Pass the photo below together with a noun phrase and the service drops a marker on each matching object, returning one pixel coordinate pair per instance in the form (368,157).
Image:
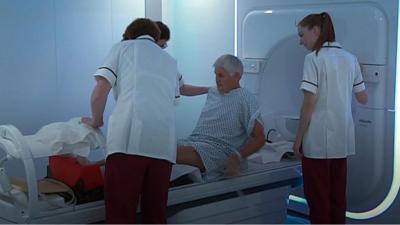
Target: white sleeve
(310,75)
(180,82)
(358,84)
(251,113)
(108,69)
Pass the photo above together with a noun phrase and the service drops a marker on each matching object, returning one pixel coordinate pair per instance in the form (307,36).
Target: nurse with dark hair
(141,141)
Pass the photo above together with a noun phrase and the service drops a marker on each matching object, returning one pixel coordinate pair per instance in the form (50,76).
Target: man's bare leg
(187,155)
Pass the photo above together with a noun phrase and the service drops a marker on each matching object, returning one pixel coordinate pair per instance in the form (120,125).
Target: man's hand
(232,165)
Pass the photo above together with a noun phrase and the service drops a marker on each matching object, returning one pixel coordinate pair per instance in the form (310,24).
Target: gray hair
(230,63)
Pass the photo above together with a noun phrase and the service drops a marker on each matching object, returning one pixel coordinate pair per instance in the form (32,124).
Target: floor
(296,218)
(289,220)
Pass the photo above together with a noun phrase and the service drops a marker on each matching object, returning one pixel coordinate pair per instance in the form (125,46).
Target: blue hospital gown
(224,126)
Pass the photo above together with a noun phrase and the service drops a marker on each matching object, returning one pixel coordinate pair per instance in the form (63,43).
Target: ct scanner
(273,62)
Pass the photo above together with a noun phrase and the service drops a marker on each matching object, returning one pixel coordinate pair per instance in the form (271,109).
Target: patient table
(258,195)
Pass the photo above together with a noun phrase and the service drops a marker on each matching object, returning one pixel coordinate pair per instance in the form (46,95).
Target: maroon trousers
(325,189)
(130,177)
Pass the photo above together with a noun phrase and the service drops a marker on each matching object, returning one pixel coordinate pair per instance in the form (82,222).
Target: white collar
(332,44)
(146,37)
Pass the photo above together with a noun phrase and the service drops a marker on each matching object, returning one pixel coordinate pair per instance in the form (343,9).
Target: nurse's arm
(305,117)
(362,97)
(190,90)
(99,100)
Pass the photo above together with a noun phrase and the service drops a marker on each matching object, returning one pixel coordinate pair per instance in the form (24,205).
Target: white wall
(49,50)
(27,63)
(201,31)
(153,9)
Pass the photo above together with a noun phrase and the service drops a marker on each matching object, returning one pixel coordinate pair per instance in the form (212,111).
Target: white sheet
(272,152)
(53,139)
(179,170)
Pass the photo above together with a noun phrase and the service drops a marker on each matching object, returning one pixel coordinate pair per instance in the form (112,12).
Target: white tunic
(144,80)
(332,75)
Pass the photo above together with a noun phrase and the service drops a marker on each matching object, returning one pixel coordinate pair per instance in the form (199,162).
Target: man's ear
(237,76)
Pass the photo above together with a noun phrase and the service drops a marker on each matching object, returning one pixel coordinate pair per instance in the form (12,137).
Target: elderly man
(229,128)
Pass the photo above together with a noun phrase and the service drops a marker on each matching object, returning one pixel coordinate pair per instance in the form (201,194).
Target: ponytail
(324,22)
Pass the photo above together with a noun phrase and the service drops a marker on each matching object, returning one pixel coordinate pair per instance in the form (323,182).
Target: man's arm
(305,117)
(254,143)
(190,90)
(98,102)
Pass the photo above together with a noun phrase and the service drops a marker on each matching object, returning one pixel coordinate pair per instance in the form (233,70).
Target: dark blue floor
(296,218)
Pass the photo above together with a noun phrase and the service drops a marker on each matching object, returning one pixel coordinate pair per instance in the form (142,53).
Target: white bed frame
(258,195)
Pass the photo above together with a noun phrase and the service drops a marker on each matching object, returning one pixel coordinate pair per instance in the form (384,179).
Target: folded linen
(54,139)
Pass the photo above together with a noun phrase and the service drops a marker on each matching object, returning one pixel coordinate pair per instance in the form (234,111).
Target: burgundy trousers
(129,178)
(325,189)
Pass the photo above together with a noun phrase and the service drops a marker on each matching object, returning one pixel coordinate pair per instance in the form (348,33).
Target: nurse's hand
(298,151)
(232,166)
(89,121)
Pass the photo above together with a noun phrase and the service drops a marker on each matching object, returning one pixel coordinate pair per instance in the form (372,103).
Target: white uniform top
(332,75)
(143,78)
